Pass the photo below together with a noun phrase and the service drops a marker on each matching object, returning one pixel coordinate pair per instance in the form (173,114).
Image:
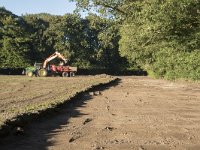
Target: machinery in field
(44,69)
(33,70)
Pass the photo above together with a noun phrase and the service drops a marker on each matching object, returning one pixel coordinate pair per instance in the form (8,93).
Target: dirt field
(21,95)
(136,113)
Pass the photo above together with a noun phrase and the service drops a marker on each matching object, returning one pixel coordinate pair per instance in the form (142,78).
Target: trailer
(52,70)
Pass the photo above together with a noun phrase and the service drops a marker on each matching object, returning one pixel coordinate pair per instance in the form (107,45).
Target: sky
(54,7)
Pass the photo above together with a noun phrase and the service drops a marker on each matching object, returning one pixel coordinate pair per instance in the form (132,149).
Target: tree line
(89,43)
(159,36)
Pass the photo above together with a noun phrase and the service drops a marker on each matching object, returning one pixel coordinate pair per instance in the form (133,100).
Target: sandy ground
(136,113)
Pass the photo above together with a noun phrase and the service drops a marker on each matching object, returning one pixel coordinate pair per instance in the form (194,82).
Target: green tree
(13,41)
(159,36)
(37,26)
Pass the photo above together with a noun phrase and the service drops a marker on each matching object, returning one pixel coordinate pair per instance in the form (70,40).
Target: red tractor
(62,69)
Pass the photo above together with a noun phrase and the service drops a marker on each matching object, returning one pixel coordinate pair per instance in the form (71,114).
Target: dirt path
(137,113)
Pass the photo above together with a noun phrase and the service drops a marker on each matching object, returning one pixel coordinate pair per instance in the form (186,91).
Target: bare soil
(136,113)
(22,95)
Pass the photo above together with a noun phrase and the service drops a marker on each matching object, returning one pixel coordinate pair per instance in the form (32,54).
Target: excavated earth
(134,113)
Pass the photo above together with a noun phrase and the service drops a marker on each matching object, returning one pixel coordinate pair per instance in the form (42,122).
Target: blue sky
(55,7)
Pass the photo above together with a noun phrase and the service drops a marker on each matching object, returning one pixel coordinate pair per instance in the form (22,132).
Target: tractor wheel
(65,74)
(42,73)
(29,74)
(72,74)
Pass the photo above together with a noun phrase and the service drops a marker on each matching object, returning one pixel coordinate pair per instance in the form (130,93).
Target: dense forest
(159,36)
(88,43)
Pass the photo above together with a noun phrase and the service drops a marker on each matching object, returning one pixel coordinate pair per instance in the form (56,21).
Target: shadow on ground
(38,133)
